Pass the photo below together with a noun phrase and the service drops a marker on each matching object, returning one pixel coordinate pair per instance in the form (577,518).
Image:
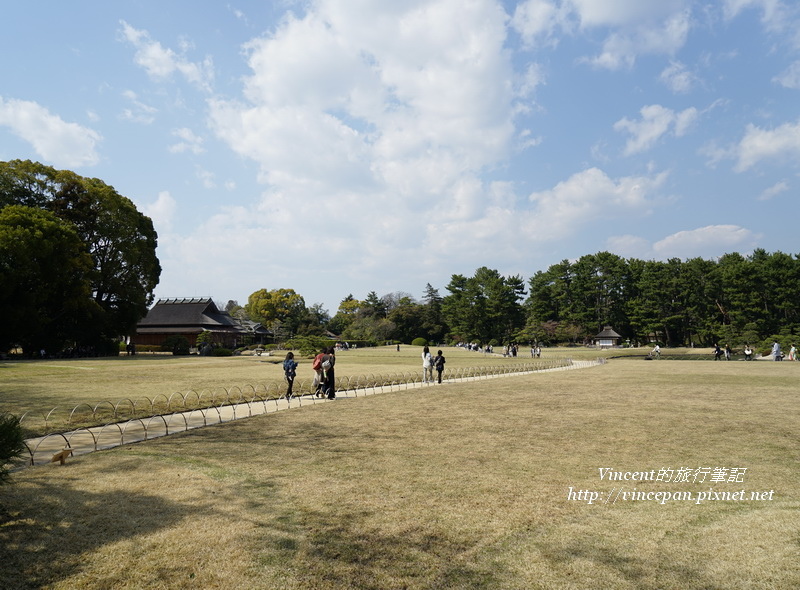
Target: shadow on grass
(344,552)
(42,542)
(641,572)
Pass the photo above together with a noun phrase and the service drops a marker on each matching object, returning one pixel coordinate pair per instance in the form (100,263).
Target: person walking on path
(776,351)
(316,365)
(328,373)
(427,369)
(438,364)
(290,372)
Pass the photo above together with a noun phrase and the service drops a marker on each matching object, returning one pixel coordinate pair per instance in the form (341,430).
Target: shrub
(419,342)
(205,337)
(11,443)
(176,345)
(148,348)
(220,351)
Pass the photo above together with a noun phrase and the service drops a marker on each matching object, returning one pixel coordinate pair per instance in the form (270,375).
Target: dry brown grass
(48,392)
(459,486)
(42,385)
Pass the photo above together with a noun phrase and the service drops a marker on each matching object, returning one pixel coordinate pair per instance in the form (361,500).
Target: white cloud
(773,11)
(537,19)
(629,246)
(206,177)
(707,242)
(684,121)
(656,121)
(139,111)
(53,139)
(677,78)
(634,27)
(778,17)
(528,140)
(395,105)
(622,47)
(162,211)
(373,128)
(616,13)
(588,196)
(764,144)
(161,63)
(530,81)
(715,153)
(790,78)
(774,190)
(190,142)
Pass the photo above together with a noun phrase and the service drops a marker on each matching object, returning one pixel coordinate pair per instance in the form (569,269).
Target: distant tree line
(734,299)
(695,302)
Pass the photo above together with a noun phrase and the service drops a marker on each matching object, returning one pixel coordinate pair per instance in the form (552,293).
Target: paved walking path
(86,440)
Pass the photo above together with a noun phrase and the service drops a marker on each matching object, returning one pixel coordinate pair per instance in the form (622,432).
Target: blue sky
(347,146)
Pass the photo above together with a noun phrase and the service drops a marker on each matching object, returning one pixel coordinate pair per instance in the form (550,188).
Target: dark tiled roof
(252,326)
(198,313)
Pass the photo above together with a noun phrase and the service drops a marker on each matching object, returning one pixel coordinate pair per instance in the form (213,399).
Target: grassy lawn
(42,385)
(460,486)
(37,387)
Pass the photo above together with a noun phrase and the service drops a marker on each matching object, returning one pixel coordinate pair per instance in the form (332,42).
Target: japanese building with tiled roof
(189,318)
(608,338)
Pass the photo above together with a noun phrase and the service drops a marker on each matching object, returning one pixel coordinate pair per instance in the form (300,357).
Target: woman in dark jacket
(289,371)
(438,364)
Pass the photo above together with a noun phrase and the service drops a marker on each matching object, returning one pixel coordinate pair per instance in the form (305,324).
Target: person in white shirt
(427,365)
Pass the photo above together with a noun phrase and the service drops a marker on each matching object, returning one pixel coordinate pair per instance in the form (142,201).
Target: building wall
(607,343)
(158,339)
(229,340)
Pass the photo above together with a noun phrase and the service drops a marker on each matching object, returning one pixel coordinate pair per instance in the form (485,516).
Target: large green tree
(44,282)
(348,311)
(434,327)
(485,307)
(282,310)
(408,318)
(120,240)
(314,321)
(373,306)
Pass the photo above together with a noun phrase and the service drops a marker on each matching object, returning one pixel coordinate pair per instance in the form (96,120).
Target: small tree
(12,443)
(205,337)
